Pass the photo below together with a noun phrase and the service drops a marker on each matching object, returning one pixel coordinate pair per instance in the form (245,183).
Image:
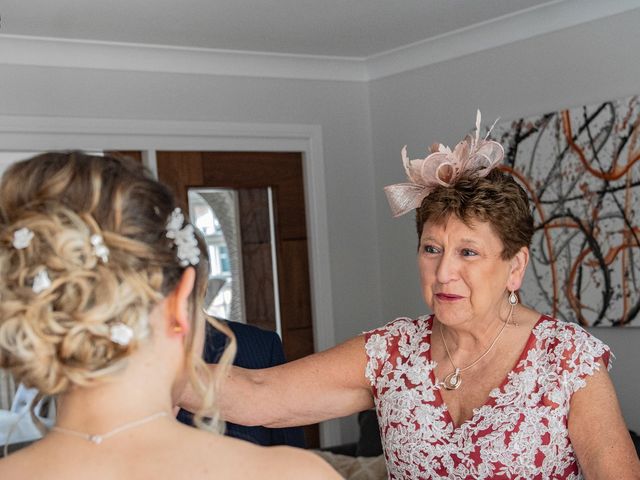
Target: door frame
(40,133)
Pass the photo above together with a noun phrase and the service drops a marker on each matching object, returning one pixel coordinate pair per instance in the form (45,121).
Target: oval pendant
(453,380)
(97,439)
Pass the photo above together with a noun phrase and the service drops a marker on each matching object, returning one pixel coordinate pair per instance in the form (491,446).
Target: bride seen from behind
(101,282)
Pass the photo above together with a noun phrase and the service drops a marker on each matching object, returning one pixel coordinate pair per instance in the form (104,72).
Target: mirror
(215,213)
(239,228)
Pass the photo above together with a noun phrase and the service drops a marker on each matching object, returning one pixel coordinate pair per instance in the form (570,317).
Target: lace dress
(519,433)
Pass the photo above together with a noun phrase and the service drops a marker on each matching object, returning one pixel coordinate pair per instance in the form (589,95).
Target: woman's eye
(430,249)
(468,253)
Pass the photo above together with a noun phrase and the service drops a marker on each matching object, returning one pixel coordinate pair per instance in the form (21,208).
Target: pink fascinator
(443,167)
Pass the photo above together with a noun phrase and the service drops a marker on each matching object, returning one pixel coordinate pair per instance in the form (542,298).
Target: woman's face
(462,273)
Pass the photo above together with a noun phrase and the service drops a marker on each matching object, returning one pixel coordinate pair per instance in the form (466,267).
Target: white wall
(581,65)
(341,108)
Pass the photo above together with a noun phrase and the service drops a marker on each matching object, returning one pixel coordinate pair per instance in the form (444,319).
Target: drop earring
(177,328)
(513,301)
(513,298)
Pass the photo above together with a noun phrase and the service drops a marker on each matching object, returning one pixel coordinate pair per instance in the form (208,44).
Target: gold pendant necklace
(98,439)
(454,379)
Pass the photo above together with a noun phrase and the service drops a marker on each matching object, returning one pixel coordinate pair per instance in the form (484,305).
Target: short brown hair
(496,199)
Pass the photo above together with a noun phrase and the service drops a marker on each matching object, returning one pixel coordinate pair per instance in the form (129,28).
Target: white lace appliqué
(519,433)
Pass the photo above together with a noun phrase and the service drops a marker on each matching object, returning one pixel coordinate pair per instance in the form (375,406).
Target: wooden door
(249,173)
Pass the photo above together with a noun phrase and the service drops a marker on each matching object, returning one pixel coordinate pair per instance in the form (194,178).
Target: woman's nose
(447,270)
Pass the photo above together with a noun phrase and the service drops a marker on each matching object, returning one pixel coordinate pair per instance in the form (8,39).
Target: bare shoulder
(300,464)
(8,467)
(233,458)
(25,463)
(176,451)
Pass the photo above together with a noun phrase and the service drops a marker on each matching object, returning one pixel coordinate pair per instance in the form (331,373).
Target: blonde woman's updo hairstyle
(61,335)
(497,199)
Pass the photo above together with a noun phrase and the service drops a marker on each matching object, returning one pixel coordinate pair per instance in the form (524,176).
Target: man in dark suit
(257,348)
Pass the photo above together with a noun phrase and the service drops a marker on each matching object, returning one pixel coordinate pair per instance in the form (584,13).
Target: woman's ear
(178,303)
(518,267)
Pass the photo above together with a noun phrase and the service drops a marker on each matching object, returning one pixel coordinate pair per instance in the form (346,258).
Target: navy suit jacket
(257,348)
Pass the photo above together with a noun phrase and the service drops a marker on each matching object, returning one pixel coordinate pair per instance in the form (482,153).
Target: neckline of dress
(490,398)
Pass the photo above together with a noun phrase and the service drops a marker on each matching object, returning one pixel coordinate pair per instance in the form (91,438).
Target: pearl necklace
(454,379)
(98,439)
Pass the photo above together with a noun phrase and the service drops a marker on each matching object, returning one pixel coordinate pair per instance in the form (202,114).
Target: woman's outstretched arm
(324,385)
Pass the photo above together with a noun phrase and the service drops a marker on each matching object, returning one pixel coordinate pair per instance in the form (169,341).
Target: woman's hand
(598,432)
(324,385)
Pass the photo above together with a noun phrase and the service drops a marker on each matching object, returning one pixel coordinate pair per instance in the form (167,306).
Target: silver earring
(513,299)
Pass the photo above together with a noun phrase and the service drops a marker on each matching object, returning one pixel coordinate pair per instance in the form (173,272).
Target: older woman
(484,387)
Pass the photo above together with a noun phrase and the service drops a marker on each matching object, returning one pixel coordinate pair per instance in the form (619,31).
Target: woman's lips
(448,297)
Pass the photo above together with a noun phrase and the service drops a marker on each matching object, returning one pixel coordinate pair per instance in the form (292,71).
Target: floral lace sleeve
(577,354)
(383,345)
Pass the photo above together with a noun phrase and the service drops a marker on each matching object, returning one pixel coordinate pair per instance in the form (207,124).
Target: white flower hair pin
(99,248)
(41,281)
(121,334)
(184,238)
(22,238)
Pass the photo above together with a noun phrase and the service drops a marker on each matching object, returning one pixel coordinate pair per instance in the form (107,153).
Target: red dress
(519,433)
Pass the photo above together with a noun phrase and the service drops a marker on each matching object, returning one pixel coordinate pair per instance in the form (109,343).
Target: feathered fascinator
(443,167)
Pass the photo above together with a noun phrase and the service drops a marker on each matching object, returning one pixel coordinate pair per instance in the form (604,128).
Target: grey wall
(577,66)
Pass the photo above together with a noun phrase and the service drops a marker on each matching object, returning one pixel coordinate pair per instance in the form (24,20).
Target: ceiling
(343,28)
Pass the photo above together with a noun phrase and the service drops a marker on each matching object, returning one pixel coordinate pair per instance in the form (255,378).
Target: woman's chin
(449,315)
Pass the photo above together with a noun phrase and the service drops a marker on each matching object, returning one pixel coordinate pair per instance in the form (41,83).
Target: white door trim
(28,133)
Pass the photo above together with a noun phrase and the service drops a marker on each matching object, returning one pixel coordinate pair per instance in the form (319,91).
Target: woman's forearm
(235,398)
(244,397)
(325,385)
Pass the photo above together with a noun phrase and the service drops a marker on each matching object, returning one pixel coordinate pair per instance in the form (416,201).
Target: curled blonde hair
(60,337)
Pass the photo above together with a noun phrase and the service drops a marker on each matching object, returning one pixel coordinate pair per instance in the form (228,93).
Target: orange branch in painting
(562,224)
(576,306)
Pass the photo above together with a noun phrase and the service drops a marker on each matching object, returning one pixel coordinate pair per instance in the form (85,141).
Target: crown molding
(58,52)
(539,20)
(521,25)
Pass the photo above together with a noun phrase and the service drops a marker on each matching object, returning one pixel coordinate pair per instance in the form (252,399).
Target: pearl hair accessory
(41,281)
(22,238)
(184,238)
(121,334)
(99,248)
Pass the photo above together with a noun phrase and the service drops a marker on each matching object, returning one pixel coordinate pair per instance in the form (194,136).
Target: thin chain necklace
(98,439)
(454,379)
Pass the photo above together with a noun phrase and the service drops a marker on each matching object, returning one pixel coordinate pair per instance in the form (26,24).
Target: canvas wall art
(581,169)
